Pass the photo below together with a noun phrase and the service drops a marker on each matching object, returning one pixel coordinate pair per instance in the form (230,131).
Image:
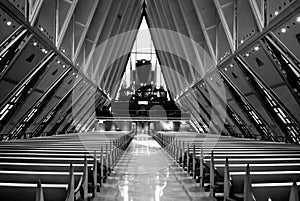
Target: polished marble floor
(147,173)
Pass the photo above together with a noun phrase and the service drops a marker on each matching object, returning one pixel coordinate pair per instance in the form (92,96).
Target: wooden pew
(45,158)
(275,191)
(258,167)
(33,176)
(280,159)
(262,177)
(53,179)
(19,191)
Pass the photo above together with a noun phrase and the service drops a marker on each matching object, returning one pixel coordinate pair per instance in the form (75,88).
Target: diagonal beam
(196,52)
(105,57)
(122,47)
(127,47)
(256,13)
(205,33)
(61,33)
(231,41)
(86,28)
(165,40)
(122,62)
(161,40)
(91,54)
(34,10)
(213,120)
(177,51)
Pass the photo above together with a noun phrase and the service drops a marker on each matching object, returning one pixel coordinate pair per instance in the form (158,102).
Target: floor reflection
(147,173)
(142,188)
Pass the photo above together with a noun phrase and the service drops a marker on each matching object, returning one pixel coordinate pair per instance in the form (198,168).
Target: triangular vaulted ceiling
(228,62)
(143,49)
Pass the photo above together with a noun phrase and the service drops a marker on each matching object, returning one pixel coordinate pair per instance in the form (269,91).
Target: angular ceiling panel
(246,24)
(228,11)
(46,20)
(83,10)
(7,26)
(63,10)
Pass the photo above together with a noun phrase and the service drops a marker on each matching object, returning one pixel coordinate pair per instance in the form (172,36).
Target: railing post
(227,183)
(95,173)
(106,160)
(166,143)
(194,161)
(115,151)
(85,179)
(183,156)
(111,156)
(118,147)
(174,151)
(201,168)
(101,168)
(177,150)
(212,176)
(188,158)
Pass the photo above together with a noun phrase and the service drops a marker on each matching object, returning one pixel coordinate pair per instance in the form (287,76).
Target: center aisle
(147,173)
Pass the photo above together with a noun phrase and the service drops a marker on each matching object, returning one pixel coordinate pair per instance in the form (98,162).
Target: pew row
(204,158)
(40,167)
